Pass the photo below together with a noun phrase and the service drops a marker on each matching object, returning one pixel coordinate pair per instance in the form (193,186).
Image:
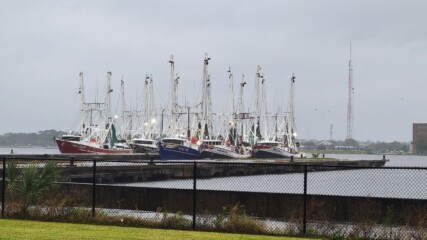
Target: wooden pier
(125,168)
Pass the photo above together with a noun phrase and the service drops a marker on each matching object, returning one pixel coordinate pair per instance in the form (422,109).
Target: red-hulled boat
(68,145)
(97,132)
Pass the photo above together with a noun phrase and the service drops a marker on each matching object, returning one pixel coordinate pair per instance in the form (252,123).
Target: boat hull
(80,147)
(178,152)
(262,151)
(137,148)
(221,152)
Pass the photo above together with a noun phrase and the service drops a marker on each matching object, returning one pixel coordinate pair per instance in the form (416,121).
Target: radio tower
(350,115)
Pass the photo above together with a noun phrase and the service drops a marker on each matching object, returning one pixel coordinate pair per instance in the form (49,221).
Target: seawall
(287,207)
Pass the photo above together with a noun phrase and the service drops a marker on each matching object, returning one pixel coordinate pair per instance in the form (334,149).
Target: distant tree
(42,138)
(321,147)
(309,145)
(404,148)
(351,142)
(384,147)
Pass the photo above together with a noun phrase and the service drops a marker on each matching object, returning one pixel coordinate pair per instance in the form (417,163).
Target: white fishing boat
(231,146)
(283,143)
(176,144)
(144,139)
(97,132)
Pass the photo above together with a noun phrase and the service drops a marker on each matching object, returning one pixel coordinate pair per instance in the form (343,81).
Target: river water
(390,183)
(395,160)
(29,150)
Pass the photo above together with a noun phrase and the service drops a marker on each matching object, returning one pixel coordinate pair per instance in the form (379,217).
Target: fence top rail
(311,164)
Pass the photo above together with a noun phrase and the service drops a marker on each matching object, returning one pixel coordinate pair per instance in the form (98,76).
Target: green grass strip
(23,229)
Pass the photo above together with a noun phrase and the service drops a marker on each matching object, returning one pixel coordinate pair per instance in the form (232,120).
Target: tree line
(351,145)
(45,138)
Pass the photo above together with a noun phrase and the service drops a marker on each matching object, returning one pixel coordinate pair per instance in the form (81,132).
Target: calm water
(395,160)
(388,183)
(395,183)
(29,150)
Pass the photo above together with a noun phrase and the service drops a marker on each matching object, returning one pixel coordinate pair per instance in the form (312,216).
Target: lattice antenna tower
(350,112)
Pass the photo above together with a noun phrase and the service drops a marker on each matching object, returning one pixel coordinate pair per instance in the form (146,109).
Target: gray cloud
(45,44)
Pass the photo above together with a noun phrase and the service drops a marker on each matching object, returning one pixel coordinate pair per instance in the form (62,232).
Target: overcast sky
(45,44)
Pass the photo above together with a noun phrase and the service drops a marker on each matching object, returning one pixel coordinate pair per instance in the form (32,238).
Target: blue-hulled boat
(178,148)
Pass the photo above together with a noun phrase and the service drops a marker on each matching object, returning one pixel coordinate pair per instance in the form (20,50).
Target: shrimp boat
(178,148)
(214,149)
(176,144)
(232,146)
(97,129)
(144,140)
(142,145)
(101,141)
(283,144)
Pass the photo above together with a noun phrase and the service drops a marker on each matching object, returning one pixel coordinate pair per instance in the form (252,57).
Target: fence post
(94,188)
(194,193)
(304,218)
(3,187)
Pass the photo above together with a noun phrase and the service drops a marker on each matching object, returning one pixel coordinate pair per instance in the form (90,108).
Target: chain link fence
(275,198)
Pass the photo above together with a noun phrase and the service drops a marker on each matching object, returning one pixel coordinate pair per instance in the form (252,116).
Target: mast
(291,101)
(233,121)
(240,106)
(231,91)
(82,104)
(257,105)
(205,100)
(109,135)
(122,99)
(107,96)
(146,105)
(209,101)
(264,106)
(123,107)
(174,89)
(290,125)
(81,92)
(152,112)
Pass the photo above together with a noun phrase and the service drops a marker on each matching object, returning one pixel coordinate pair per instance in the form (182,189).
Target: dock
(126,168)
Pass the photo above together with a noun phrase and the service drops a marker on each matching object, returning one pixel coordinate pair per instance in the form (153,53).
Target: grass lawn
(22,229)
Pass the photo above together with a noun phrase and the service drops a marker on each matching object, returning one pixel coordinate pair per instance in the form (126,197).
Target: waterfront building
(419,134)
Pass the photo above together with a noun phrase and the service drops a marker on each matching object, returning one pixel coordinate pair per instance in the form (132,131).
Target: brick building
(419,131)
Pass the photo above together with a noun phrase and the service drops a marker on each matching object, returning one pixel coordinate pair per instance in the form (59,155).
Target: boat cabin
(271,144)
(146,142)
(71,138)
(173,141)
(212,142)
